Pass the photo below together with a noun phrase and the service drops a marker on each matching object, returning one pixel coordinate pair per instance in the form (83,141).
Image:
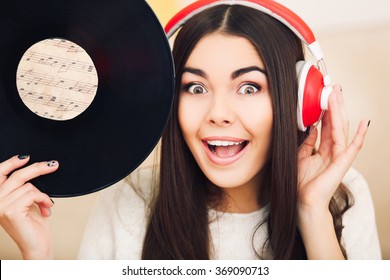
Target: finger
(22,199)
(8,166)
(341,166)
(344,115)
(45,204)
(338,129)
(326,141)
(344,161)
(22,176)
(334,130)
(45,211)
(357,142)
(308,145)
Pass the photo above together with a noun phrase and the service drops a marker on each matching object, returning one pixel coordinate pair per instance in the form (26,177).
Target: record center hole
(56,79)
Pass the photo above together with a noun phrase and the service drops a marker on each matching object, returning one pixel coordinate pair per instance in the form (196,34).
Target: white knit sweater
(118,222)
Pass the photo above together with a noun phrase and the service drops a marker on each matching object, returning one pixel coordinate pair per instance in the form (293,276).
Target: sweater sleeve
(360,232)
(117,223)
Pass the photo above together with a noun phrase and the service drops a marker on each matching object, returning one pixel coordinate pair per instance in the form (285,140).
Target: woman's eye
(248,89)
(196,89)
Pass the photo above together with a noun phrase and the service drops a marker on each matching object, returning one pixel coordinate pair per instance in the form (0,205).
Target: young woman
(236,178)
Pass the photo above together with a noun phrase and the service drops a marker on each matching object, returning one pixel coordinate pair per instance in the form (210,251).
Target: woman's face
(225,110)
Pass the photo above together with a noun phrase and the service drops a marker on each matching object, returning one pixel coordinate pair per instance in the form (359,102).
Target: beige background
(355,36)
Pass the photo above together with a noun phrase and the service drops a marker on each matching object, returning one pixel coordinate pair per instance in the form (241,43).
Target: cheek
(190,115)
(258,118)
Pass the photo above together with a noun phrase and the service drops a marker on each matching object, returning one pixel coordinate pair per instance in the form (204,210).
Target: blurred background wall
(355,37)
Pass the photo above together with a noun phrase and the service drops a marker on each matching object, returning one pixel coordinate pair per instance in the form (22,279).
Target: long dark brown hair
(178,223)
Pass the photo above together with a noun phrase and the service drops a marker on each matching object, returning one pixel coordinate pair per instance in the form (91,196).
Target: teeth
(223,143)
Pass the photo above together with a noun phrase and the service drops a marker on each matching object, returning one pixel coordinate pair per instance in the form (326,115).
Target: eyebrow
(195,71)
(234,75)
(245,70)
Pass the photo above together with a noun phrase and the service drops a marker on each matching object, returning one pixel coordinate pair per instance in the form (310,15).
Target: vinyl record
(122,102)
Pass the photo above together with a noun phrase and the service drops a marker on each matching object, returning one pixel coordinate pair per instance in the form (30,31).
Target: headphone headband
(313,85)
(272,8)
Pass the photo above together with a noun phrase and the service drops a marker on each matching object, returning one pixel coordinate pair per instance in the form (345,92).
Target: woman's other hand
(321,173)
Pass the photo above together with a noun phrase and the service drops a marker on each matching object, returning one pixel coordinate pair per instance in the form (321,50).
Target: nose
(221,111)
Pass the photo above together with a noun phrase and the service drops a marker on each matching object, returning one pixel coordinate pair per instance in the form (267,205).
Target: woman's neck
(239,201)
(243,199)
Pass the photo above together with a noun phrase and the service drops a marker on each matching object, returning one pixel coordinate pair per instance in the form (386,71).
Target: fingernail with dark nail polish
(368,123)
(22,156)
(52,163)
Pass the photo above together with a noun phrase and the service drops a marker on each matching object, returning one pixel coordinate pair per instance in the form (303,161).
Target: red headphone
(313,82)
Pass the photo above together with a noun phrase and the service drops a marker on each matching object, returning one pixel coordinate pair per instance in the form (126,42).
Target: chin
(227,181)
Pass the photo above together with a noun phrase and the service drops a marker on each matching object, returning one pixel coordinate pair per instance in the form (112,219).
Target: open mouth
(226,149)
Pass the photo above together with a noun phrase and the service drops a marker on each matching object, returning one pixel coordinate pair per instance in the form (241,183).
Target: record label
(56,79)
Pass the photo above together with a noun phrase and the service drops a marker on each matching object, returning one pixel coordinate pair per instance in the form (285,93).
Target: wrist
(37,256)
(42,254)
(314,217)
(318,234)
(314,212)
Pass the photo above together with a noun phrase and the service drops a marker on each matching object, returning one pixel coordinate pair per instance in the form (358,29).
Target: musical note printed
(57,79)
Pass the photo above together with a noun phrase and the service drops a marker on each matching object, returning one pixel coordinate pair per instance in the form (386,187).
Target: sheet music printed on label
(57,79)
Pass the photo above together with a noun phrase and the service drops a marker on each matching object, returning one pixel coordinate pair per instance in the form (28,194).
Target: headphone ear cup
(310,86)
